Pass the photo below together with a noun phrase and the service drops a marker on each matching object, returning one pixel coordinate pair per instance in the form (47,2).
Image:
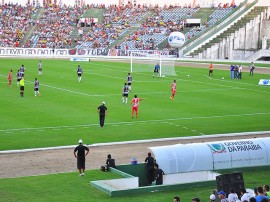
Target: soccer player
(173,86)
(211,69)
(19,77)
(22,71)
(156,70)
(79,73)
(9,78)
(40,68)
(36,86)
(135,104)
(125,93)
(129,81)
(22,86)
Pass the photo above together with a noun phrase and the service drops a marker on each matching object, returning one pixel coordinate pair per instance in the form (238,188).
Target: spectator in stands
(176,199)
(213,196)
(232,197)
(222,196)
(245,196)
(196,200)
(266,190)
(252,199)
(260,195)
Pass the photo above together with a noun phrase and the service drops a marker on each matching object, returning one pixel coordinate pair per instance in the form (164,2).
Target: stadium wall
(243,43)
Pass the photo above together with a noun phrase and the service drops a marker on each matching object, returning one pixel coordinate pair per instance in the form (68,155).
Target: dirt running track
(62,160)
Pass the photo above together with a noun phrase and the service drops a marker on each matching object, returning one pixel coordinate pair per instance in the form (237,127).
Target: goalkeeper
(156,70)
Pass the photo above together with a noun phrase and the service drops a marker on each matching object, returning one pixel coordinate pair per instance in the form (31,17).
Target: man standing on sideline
(135,104)
(159,175)
(251,69)
(156,70)
(40,68)
(22,87)
(103,111)
(150,162)
(80,153)
(211,69)
(173,86)
(240,70)
(232,72)
(9,78)
(125,93)
(79,73)
(36,86)
(129,81)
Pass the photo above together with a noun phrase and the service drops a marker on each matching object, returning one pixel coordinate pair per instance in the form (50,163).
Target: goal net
(144,62)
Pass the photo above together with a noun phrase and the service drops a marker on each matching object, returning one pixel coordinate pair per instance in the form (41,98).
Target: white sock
(126,100)
(123,99)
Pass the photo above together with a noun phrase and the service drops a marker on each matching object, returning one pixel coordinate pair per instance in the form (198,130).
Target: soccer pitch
(66,109)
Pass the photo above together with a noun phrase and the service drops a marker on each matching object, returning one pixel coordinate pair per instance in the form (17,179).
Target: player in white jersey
(129,81)
(40,68)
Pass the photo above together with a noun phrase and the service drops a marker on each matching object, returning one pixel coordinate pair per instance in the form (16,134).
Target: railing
(215,27)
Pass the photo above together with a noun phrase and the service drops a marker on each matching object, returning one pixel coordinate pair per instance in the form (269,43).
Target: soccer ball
(188,75)
(222,78)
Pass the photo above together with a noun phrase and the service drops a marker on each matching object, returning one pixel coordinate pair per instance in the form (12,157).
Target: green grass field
(66,110)
(70,187)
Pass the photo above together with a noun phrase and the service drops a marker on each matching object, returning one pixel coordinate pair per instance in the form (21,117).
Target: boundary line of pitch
(137,141)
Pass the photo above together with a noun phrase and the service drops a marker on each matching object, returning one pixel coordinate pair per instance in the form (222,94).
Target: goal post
(144,62)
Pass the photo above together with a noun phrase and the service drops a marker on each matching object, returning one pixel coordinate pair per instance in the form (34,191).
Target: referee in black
(103,111)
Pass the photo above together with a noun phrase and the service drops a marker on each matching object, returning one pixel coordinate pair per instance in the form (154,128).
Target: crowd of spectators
(57,24)
(14,23)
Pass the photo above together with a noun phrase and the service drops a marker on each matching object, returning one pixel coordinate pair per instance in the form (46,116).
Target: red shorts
(135,108)
(173,91)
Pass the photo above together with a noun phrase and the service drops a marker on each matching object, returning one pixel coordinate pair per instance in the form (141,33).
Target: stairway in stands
(32,27)
(235,27)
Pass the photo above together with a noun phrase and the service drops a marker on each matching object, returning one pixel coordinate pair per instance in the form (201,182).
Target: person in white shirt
(245,195)
(232,197)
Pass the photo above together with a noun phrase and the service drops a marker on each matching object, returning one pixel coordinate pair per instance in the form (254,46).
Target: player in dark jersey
(36,86)
(156,70)
(129,81)
(79,73)
(19,77)
(125,93)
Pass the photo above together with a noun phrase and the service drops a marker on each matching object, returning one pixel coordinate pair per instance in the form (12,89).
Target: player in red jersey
(9,78)
(135,104)
(173,86)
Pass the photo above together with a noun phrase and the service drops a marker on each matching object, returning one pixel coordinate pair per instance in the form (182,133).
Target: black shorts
(129,84)
(125,95)
(80,163)
(22,88)
(35,89)
(156,71)
(79,74)
(18,80)
(210,71)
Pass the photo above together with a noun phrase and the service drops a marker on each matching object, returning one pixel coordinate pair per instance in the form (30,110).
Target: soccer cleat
(171,97)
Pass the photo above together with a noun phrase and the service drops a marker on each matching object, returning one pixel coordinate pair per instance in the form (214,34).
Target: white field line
(138,141)
(135,122)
